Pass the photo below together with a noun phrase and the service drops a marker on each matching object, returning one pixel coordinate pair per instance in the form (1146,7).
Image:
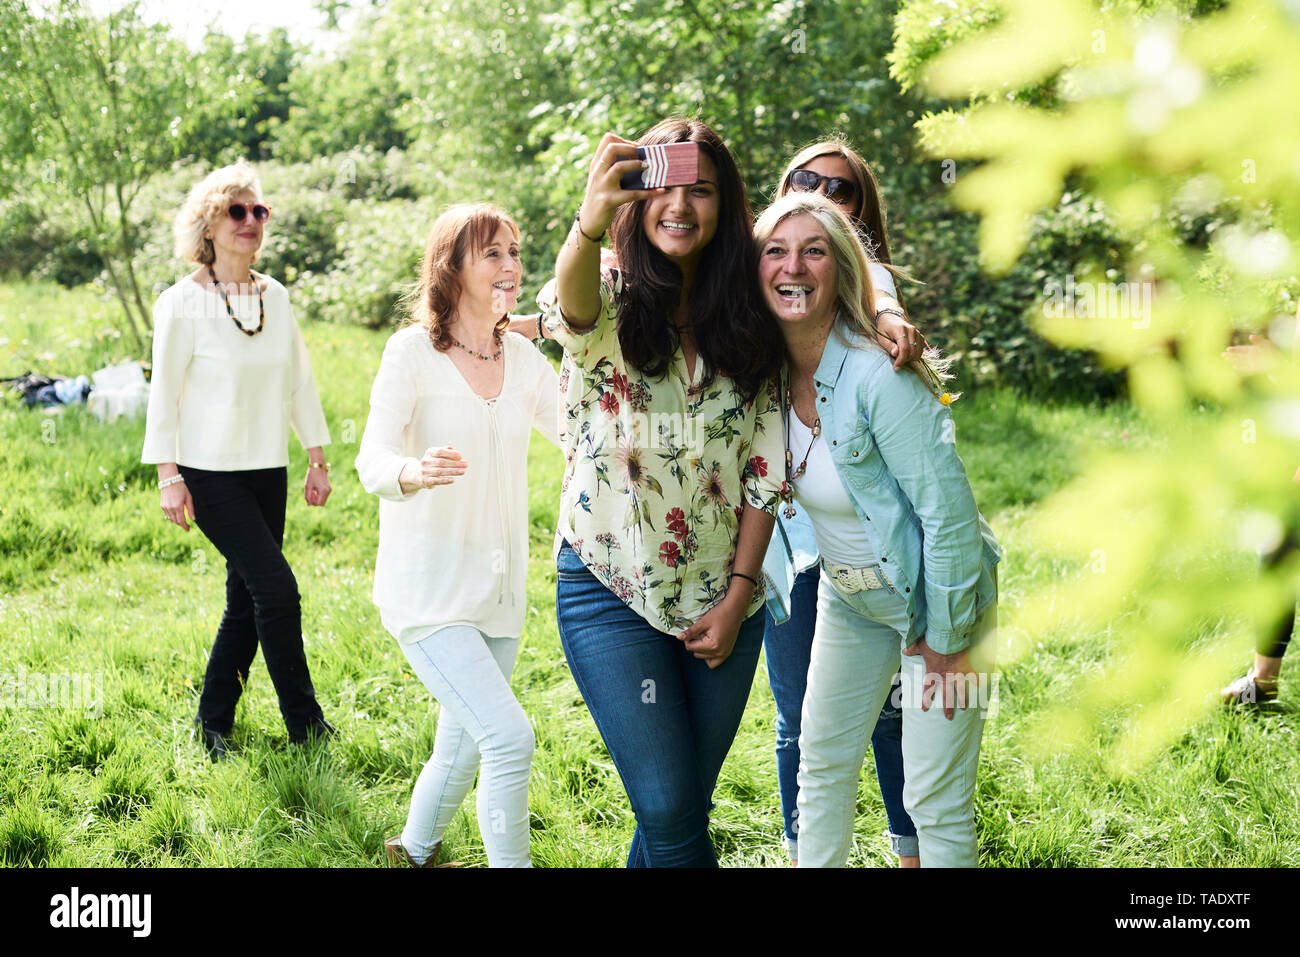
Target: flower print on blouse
(657,470)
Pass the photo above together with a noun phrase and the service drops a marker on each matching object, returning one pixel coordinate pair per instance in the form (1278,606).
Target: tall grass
(95,582)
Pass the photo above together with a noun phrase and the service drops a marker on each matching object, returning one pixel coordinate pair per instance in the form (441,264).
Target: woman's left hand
(900,338)
(949,674)
(318,487)
(714,636)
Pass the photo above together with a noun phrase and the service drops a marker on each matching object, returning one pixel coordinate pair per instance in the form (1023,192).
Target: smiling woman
(445,448)
(909,561)
(662,531)
(230,378)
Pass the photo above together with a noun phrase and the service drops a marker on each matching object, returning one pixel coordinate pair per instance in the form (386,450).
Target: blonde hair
(460,230)
(208,202)
(855,293)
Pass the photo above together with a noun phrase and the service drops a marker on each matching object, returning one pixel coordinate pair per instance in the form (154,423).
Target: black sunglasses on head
(839,191)
(239,212)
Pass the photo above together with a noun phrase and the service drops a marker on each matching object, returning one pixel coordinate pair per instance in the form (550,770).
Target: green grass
(94,581)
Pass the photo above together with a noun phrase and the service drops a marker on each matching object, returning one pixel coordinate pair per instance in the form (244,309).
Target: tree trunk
(128,259)
(119,287)
(120,290)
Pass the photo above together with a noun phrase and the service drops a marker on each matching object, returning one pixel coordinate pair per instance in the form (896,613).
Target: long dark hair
(733,331)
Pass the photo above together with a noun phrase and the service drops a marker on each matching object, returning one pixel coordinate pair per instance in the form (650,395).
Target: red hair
(457,232)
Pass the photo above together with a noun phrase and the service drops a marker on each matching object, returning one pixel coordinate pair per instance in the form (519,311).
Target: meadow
(94,581)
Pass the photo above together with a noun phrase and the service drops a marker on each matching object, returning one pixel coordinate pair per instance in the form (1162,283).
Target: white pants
(469,674)
(856,650)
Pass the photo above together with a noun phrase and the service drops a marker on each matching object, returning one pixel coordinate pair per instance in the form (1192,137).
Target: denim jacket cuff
(947,642)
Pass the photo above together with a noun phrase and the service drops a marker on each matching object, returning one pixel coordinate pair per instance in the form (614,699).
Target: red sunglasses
(239,212)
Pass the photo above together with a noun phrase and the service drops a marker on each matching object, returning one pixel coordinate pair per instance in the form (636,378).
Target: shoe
(1249,690)
(397,856)
(319,730)
(216,744)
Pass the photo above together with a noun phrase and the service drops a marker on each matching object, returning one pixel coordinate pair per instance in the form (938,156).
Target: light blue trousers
(856,651)
(481,722)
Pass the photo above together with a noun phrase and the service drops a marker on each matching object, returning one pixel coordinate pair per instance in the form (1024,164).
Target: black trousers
(1273,635)
(242,514)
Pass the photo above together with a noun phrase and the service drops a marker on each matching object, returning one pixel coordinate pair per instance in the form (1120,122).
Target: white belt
(850,580)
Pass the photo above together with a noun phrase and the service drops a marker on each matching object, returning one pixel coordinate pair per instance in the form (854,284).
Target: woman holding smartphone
(835,170)
(910,562)
(453,406)
(672,440)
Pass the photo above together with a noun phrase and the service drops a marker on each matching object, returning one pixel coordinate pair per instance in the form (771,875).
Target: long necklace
(261,306)
(477,355)
(790,477)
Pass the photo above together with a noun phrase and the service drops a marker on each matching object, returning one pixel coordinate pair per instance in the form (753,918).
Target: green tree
(100,104)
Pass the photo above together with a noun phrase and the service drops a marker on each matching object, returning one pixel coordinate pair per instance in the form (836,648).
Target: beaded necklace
(477,355)
(261,306)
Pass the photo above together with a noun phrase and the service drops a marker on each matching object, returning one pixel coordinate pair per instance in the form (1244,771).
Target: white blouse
(222,400)
(454,554)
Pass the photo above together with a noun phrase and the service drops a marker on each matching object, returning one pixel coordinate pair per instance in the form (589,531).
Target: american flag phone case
(671,164)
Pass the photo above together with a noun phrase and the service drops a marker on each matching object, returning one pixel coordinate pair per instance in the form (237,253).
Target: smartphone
(671,164)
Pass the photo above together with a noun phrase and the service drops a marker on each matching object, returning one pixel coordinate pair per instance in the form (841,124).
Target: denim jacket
(792,550)
(893,446)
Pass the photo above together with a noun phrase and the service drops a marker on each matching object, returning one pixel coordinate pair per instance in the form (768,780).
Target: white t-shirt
(841,539)
(220,399)
(454,554)
(882,279)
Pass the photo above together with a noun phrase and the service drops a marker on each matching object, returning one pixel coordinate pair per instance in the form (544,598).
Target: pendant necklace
(790,477)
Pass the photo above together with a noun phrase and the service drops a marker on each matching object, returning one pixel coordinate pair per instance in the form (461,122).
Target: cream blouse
(454,554)
(220,399)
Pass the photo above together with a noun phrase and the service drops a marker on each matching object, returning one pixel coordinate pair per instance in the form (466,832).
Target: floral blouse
(657,470)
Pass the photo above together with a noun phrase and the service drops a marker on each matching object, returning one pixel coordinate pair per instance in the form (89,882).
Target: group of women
(721,378)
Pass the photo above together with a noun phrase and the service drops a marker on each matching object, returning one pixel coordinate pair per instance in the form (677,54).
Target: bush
(379,250)
(43,238)
(985,322)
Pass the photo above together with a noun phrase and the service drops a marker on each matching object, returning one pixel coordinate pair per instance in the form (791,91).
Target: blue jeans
(666,718)
(789,649)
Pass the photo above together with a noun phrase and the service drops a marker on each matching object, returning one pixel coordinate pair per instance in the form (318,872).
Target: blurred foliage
(1168,117)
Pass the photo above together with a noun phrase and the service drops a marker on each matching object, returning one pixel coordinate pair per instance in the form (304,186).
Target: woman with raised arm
(910,563)
(672,440)
(452,410)
(230,378)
